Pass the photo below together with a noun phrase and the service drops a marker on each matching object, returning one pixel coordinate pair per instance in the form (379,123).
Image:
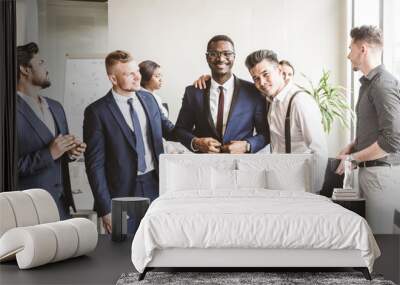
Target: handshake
(211,145)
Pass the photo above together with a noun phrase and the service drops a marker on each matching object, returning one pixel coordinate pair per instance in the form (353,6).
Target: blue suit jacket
(111,158)
(246,115)
(36,167)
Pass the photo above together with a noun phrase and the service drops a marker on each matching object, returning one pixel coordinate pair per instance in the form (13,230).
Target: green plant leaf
(331,100)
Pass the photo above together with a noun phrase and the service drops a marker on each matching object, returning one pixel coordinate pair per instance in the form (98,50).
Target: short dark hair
(256,57)
(146,69)
(369,34)
(115,57)
(25,54)
(218,38)
(285,62)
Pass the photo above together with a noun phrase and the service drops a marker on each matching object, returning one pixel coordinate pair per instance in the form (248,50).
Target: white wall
(69,27)
(27,21)
(311,34)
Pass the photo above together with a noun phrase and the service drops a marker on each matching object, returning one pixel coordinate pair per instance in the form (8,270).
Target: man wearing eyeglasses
(229,115)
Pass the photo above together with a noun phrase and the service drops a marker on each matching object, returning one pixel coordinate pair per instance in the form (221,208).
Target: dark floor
(110,260)
(389,262)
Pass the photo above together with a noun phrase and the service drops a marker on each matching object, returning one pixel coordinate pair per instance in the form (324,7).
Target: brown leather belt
(372,163)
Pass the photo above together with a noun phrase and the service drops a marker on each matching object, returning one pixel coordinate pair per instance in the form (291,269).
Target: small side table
(355,205)
(120,207)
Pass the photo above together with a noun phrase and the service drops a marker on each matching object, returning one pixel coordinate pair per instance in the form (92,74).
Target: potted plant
(331,100)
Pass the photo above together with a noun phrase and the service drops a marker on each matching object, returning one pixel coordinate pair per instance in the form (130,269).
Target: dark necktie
(220,114)
(139,137)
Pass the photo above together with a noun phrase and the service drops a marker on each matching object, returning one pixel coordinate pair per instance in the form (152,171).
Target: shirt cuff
(248,146)
(72,158)
(192,146)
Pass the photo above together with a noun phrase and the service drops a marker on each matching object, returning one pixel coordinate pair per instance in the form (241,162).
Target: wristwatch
(248,147)
(352,159)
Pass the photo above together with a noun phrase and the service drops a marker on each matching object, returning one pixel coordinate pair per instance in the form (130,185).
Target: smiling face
(125,77)
(220,58)
(267,77)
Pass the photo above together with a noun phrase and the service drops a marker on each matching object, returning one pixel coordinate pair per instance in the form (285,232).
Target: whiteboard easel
(85,81)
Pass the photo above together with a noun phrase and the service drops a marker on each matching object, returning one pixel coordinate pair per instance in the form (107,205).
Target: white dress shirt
(228,88)
(41,110)
(306,130)
(122,102)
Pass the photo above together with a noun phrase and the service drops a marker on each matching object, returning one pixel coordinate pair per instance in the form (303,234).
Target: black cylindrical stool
(123,207)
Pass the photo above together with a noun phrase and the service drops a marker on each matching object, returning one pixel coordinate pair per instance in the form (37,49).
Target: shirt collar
(228,85)
(42,99)
(121,98)
(373,72)
(283,94)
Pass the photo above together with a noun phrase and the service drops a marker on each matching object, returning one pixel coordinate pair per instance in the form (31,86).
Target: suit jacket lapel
(207,111)
(116,112)
(234,101)
(143,98)
(37,125)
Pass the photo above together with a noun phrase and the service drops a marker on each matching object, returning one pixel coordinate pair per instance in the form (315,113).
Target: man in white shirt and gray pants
(303,131)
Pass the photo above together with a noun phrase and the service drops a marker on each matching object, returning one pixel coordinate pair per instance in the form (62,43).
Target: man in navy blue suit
(44,144)
(229,115)
(124,131)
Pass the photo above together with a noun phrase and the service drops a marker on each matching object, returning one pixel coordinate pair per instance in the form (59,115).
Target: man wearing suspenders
(294,117)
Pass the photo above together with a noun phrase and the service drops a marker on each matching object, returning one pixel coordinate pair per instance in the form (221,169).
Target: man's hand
(235,147)
(107,223)
(78,150)
(201,82)
(61,144)
(340,169)
(343,157)
(207,145)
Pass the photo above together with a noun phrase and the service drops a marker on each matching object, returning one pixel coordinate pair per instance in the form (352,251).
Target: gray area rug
(243,278)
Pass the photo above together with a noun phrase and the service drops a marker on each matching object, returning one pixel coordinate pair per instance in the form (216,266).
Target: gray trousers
(380,186)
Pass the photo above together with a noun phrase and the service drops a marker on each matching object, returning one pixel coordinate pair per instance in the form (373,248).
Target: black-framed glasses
(215,54)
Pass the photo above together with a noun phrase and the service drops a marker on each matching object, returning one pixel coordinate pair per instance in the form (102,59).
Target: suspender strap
(288,140)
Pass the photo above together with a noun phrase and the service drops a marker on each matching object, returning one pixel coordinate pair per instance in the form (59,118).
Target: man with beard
(376,148)
(44,144)
(223,116)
